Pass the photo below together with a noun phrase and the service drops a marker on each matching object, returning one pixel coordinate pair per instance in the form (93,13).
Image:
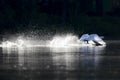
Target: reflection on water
(44,63)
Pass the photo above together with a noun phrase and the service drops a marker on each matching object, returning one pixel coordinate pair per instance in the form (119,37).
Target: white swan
(92,39)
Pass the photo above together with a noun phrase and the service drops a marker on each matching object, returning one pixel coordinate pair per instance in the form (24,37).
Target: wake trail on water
(68,40)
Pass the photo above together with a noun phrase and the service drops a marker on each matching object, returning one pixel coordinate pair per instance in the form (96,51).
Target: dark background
(61,16)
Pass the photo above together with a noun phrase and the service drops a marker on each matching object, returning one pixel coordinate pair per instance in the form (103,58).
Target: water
(74,63)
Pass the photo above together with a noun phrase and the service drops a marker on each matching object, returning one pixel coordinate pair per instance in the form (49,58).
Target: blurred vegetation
(61,16)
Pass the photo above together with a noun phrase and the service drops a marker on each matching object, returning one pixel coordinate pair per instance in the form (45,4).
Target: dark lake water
(76,63)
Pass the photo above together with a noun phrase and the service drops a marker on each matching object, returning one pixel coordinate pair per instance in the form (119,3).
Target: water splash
(57,41)
(17,43)
(64,41)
